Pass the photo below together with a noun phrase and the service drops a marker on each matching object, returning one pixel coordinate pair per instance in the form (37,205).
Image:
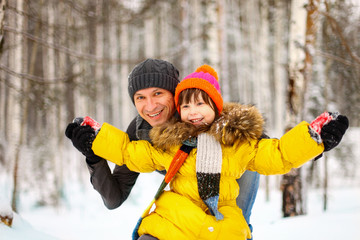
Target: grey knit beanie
(153,73)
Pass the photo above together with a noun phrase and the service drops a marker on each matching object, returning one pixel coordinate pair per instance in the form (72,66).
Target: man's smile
(155,114)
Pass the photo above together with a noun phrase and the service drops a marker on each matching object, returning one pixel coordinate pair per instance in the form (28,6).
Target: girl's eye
(184,106)
(200,103)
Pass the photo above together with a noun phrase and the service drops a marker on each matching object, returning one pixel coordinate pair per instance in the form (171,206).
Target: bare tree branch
(66,50)
(336,58)
(37,79)
(11,86)
(337,29)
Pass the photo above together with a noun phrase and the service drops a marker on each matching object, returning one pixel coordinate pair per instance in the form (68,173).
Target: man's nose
(150,104)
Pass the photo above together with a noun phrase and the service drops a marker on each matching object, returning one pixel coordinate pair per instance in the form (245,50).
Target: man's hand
(82,137)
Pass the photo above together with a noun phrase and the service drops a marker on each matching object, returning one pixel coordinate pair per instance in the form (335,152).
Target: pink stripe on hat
(206,76)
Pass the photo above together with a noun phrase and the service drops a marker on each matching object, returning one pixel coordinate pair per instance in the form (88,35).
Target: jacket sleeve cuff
(110,143)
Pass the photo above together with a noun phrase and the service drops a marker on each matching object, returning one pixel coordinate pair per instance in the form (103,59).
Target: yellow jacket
(180,213)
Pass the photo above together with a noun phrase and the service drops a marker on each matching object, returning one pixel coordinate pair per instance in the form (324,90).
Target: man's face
(155,105)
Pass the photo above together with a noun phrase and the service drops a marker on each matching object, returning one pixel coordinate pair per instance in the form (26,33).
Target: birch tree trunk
(19,111)
(223,49)
(53,117)
(3,88)
(292,185)
(2,17)
(150,38)
(310,40)
(100,87)
(325,159)
(185,36)
(279,59)
(114,76)
(244,47)
(124,71)
(235,41)
(210,44)
(196,45)
(105,44)
(263,95)
(162,33)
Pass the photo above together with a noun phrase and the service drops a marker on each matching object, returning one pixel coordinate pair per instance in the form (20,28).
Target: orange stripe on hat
(204,78)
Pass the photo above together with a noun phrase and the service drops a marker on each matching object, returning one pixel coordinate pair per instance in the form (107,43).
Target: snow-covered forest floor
(88,219)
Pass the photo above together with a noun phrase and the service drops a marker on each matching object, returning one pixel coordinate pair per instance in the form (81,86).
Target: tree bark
(2,17)
(21,113)
(292,201)
(223,49)
(291,183)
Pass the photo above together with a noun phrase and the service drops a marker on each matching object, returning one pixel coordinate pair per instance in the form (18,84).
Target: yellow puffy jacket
(180,213)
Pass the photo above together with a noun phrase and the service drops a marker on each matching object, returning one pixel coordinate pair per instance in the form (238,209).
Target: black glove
(82,138)
(332,133)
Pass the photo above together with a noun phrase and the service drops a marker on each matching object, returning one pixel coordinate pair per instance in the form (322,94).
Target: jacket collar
(236,123)
(142,129)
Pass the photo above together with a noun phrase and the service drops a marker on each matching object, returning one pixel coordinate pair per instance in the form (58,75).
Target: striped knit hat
(206,79)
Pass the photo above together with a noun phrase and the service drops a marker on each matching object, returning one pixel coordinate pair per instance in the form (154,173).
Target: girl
(201,202)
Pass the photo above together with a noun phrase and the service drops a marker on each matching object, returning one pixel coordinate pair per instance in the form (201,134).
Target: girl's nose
(192,111)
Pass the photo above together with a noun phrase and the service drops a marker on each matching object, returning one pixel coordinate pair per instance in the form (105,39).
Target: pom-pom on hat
(204,78)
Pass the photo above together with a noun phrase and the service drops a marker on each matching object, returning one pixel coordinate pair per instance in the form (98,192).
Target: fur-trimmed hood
(236,123)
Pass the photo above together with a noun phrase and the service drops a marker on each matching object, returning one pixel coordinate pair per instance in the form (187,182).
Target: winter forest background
(293,59)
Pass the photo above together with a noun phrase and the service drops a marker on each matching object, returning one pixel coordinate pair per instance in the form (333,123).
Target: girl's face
(197,112)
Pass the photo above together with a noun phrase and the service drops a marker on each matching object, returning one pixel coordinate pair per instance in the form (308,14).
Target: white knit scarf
(208,171)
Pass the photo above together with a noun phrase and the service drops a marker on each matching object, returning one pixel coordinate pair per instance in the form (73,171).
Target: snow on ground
(340,221)
(83,216)
(89,219)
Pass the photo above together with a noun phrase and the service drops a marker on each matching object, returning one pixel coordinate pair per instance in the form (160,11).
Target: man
(151,87)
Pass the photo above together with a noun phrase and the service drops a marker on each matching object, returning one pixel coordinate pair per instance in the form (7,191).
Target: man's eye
(158,93)
(140,98)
